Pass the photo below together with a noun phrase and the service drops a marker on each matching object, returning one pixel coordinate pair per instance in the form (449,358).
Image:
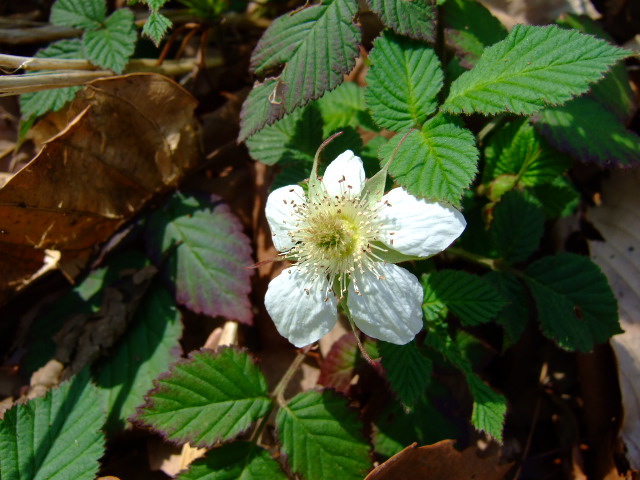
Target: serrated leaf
(235,461)
(517,226)
(343,362)
(515,315)
(558,198)
(415,19)
(576,307)
(156,26)
(207,398)
(402,82)
(408,371)
(489,408)
(321,437)
(112,46)
(470,28)
(425,424)
(517,149)
(319,44)
(85,14)
(344,107)
(577,129)
(292,139)
(147,349)
(155,4)
(534,67)
(438,162)
(208,265)
(55,437)
(34,104)
(471,298)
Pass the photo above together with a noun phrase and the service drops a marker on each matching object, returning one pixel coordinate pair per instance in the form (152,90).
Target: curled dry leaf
(437,461)
(618,221)
(128,139)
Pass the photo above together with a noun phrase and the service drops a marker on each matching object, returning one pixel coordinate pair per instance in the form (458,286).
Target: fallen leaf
(129,139)
(618,221)
(439,461)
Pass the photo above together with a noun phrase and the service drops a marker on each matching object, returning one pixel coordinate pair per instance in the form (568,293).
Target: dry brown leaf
(129,138)
(618,221)
(439,461)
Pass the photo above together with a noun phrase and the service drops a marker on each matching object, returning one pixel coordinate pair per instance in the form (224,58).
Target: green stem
(472,257)
(278,392)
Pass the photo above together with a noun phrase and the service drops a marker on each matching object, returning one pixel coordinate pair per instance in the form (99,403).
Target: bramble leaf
(533,68)
(344,107)
(55,437)
(470,297)
(558,198)
(437,162)
(207,398)
(321,437)
(237,460)
(207,255)
(517,226)
(489,407)
(319,44)
(402,82)
(34,104)
(84,14)
(150,345)
(470,28)
(414,19)
(408,371)
(112,46)
(576,307)
(156,26)
(515,315)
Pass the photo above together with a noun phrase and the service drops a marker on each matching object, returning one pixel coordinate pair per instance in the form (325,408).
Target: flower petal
(416,227)
(300,317)
(280,212)
(344,174)
(388,309)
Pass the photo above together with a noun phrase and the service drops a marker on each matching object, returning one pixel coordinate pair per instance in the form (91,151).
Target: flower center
(334,238)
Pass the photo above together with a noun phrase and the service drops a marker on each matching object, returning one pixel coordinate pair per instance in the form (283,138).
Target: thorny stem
(278,391)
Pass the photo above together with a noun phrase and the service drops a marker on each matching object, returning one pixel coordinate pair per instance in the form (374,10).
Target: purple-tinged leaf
(204,255)
(343,362)
(207,398)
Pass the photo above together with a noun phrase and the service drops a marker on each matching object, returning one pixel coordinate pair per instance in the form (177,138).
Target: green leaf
(156,27)
(471,298)
(395,429)
(577,129)
(534,67)
(55,437)
(112,46)
(408,371)
(319,44)
(344,107)
(558,198)
(438,162)
(233,461)
(207,398)
(321,437)
(208,255)
(148,348)
(515,315)
(155,5)
(344,361)
(35,104)
(294,138)
(489,408)
(414,19)
(576,307)
(517,149)
(470,28)
(403,81)
(517,226)
(85,14)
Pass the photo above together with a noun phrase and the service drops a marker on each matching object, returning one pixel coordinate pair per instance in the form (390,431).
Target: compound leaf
(321,437)
(55,437)
(156,26)
(402,82)
(414,19)
(489,407)
(207,398)
(112,46)
(534,67)
(408,371)
(85,14)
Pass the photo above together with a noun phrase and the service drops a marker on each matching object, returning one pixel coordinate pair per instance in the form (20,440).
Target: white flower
(342,236)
